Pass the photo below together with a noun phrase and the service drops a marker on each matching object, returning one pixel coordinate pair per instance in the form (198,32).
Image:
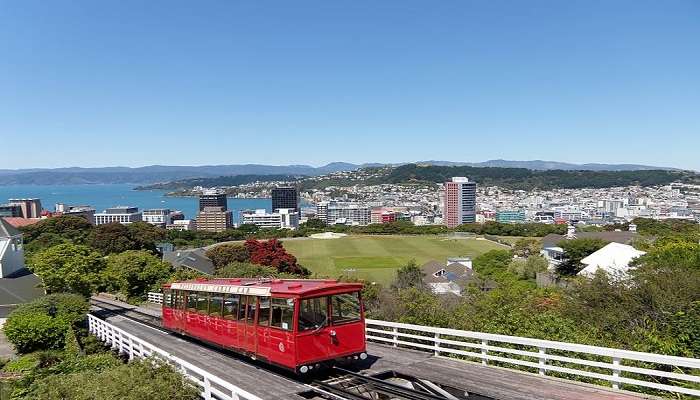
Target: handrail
(616,366)
(212,387)
(622,366)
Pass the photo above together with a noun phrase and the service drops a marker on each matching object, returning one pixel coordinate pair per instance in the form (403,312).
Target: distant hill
(527,179)
(158,173)
(168,173)
(540,165)
(233,180)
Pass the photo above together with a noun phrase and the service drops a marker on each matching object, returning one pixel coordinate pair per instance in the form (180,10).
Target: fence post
(616,373)
(396,337)
(484,352)
(437,344)
(207,388)
(543,361)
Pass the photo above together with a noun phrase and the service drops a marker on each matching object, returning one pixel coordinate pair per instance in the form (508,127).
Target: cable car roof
(266,287)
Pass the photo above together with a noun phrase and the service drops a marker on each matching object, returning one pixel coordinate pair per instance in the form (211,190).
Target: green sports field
(376,257)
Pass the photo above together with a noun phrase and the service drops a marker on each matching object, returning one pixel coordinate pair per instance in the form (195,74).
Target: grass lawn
(376,257)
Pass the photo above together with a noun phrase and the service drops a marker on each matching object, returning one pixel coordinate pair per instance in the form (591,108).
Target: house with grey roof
(11,249)
(448,278)
(554,254)
(17,284)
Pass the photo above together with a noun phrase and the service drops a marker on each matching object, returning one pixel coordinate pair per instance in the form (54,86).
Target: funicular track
(335,384)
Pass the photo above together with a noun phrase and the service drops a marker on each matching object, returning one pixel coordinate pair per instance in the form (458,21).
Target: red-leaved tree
(272,253)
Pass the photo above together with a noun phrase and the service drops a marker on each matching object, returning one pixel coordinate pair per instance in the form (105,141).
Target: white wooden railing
(156,298)
(545,356)
(211,386)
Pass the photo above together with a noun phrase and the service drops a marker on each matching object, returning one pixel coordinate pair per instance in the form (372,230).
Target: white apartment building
(182,225)
(348,214)
(121,214)
(157,216)
(284,218)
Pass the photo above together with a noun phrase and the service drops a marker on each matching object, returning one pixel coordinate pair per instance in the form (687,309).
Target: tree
(137,380)
(69,227)
(248,270)
(574,251)
(314,223)
(227,253)
(68,268)
(526,247)
(273,254)
(493,264)
(529,267)
(43,323)
(134,272)
(409,276)
(112,238)
(146,235)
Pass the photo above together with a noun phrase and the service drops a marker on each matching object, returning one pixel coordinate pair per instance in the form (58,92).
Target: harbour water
(104,196)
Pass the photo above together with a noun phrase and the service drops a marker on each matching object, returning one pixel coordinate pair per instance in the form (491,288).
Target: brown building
(214,219)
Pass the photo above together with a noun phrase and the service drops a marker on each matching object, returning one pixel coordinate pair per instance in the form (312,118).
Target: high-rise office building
(285,197)
(459,202)
(214,219)
(213,198)
(31,208)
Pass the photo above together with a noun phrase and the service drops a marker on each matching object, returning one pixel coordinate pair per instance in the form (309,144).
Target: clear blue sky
(100,83)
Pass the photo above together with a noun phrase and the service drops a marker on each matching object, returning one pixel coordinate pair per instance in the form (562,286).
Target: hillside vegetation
(525,179)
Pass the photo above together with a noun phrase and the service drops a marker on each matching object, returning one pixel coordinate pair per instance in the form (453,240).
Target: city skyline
(87,84)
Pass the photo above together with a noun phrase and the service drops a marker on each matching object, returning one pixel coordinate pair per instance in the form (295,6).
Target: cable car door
(250,338)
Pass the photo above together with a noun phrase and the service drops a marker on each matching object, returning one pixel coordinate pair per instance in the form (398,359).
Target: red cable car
(298,324)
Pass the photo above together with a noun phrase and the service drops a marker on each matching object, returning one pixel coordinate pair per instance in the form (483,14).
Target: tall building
(285,197)
(322,211)
(213,198)
(459,202)
(31,208)
(214,219)
(121,214)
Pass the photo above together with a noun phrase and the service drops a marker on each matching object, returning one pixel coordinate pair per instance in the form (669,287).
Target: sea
(102,196)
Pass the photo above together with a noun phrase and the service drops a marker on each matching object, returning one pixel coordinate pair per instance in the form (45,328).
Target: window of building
(313,313)
(215,302)
(264,311)
(192,301)
(203,303)
(345,307)
(282,313)
(230,310)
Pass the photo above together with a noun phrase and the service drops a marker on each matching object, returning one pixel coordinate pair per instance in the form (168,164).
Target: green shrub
(138,380)
(25,363)
(43,323)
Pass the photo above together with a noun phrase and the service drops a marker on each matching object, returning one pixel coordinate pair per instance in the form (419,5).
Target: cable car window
(167,298)
(230,310)
(192,301)
(282,313)
(202,303)
(264,311)
(241,308)
(251,304)
(345,307)
(313,313)
(180,300)
(215,302)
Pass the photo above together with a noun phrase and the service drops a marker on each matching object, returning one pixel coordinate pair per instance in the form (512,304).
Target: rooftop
(264,287)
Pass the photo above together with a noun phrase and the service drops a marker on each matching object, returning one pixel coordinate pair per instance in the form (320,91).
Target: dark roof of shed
(193,259)
(624,237)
